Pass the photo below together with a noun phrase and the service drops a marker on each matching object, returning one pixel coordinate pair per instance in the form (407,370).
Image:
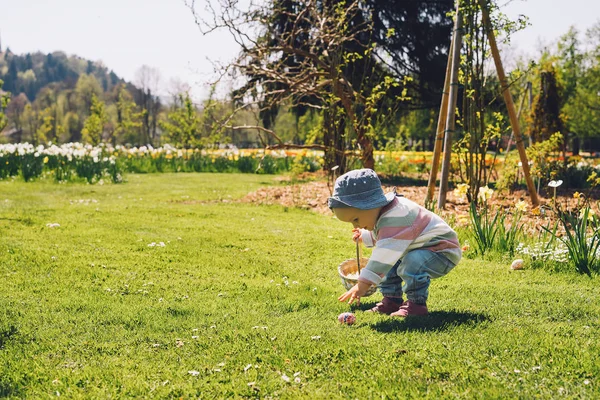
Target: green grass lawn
(241,302)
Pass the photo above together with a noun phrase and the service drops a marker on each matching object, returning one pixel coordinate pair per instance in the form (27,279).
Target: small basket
(349,267)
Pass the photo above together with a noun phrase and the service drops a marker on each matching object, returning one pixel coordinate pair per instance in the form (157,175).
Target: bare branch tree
(148,79)
(311,54)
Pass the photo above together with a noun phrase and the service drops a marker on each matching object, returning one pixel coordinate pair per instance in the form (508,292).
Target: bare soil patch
(313,195)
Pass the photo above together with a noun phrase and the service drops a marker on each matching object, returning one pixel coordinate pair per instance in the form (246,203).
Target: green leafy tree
(52,114)
(93,126)
(86,89)
(546,115)
(4,100)
(129,120)
(31,124)
(183,126)
(46,126)
(14,112)
(581,111)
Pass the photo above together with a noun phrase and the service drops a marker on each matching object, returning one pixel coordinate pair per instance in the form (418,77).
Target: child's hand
(356,235)
(355,293)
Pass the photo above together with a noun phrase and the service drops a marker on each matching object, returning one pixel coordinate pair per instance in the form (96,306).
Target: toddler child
(411,244)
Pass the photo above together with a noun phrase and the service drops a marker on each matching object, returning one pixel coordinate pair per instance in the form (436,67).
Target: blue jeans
(412,275)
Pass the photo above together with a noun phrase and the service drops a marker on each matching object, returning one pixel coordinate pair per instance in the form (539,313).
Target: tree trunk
(333,139)
(361,135)
(576,145)
(367,151)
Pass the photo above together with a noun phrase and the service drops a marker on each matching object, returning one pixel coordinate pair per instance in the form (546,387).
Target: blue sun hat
(360,188)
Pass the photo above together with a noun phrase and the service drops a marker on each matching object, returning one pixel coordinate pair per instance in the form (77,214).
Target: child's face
(364,219)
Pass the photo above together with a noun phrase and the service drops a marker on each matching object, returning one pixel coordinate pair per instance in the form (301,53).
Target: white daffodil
(485,193)
(590,216)
(555,184)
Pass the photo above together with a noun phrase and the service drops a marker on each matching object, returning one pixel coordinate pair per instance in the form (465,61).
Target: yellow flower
(46,160)
(463,220)
(521,206)
(461,190)
(536,211)
(578,195)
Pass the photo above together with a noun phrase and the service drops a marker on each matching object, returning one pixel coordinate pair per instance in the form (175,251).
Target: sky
(162,34)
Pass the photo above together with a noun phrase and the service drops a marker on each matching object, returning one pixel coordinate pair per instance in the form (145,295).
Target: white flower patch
(539,250)
(193,372)
(154,244)
(559,252)
(53,225)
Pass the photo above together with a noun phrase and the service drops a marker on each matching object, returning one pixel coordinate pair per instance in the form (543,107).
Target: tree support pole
(451,109)
(441,127)
(510,139)
(514,121)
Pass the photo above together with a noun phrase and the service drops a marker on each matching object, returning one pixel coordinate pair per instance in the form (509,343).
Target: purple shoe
(410,309)
(387,306)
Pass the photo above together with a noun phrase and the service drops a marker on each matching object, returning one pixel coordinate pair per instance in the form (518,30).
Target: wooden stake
(451,109)
(518,118)
(441,127)
(514,122)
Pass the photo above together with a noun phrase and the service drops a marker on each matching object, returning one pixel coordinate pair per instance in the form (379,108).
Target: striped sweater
(403,226)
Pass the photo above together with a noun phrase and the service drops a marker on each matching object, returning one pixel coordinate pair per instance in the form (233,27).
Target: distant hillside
(31,72)
(60,98)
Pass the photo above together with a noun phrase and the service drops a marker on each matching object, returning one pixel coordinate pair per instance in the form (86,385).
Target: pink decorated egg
(347,318)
